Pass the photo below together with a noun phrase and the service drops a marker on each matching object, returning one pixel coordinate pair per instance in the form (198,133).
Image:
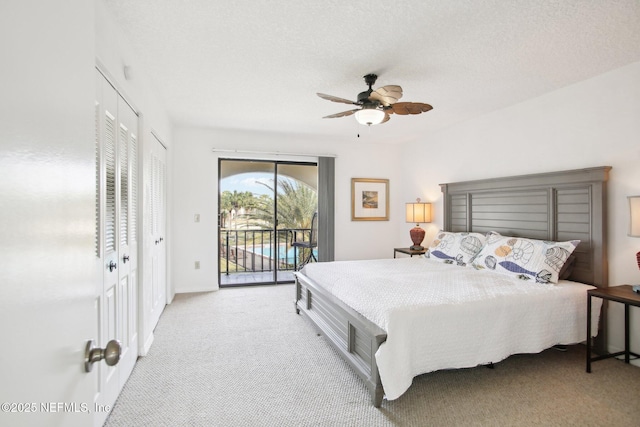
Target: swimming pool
(284,254)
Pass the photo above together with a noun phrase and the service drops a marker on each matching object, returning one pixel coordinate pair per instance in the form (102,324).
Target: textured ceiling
(257,64)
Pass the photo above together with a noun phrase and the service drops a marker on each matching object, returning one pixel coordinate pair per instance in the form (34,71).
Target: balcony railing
(253,250)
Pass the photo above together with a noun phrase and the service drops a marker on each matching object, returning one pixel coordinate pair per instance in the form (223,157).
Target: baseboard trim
(194,290)
(146,345)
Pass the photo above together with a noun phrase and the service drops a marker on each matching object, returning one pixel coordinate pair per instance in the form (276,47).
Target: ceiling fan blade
(386,95)
(336,99)
(343,114)
(404,108)
(386,118)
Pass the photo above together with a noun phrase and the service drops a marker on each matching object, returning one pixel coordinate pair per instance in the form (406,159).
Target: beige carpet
(242,357)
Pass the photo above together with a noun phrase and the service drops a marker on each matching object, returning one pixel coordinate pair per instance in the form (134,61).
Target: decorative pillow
(455,248)
(527,259)
(567,268)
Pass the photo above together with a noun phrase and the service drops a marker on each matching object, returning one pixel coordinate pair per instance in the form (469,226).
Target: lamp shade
(418,212)
(634,216)
(369,116)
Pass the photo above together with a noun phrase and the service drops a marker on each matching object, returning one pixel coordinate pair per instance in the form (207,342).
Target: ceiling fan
(375,106)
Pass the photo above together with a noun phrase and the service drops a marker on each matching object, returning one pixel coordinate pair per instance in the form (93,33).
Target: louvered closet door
(127,330)
(116,240)
(107,383)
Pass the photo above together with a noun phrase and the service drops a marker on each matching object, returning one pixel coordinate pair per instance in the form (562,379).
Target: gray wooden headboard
(557,206)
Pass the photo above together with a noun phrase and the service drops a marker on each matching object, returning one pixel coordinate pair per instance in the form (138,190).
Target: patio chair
(311,244)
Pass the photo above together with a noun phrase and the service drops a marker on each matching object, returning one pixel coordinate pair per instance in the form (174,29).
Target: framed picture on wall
(369,199)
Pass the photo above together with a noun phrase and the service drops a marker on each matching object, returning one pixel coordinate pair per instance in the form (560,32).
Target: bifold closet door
(116,240)
(157,228)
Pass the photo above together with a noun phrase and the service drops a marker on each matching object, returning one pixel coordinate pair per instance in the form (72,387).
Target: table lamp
(418,212)
(634,220)
(634,226)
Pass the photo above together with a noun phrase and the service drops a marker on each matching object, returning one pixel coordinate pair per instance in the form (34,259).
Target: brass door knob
(110,354)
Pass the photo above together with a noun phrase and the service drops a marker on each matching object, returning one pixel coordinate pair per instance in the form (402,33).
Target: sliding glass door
(264,208)
(296,205)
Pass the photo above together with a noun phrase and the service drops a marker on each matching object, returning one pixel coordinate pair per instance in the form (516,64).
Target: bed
(471,315)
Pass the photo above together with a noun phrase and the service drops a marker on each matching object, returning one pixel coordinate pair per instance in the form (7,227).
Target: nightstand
(409,251)
(624,295)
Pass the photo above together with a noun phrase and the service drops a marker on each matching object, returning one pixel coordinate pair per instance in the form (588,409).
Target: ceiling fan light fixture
(370,116)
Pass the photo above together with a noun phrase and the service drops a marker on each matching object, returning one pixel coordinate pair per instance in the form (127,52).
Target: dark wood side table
(408,251)
(623,294)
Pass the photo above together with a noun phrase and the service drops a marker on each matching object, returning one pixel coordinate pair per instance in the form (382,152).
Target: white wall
(114,52)
(592,123)
(196,185)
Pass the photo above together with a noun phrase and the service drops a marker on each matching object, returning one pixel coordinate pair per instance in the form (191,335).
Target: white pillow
(455,248)
(527,259)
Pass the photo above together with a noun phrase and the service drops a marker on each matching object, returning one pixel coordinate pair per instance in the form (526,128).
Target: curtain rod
(275,153)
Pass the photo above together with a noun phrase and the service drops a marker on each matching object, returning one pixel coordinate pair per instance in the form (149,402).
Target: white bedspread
(442,316)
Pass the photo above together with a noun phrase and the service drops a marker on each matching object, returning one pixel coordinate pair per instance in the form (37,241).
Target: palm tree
(236,200)
(296,204)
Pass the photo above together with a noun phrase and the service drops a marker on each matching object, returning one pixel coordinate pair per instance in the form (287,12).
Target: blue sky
(248,182)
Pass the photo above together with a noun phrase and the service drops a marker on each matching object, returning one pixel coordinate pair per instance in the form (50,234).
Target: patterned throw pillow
(455,248)
(527,259)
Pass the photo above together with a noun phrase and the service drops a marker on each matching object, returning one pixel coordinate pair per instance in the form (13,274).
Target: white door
(127,331)
(157,223)
(46,212)
(107,377)
(116,248)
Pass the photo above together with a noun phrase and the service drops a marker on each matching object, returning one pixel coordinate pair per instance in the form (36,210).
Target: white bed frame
(556,206)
